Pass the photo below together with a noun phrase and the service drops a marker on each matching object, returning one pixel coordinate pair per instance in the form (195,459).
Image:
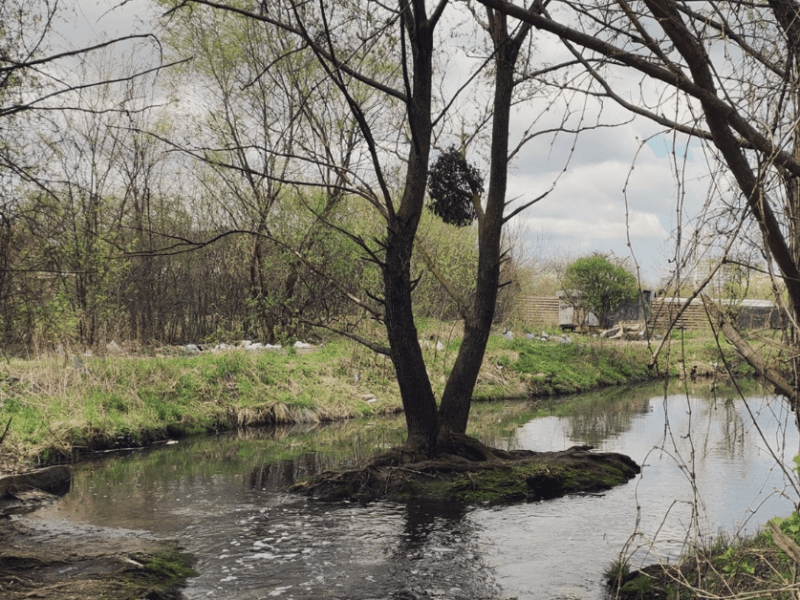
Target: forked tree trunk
(419,404)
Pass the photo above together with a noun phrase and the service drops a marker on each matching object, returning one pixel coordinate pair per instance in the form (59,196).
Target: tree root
(467,470)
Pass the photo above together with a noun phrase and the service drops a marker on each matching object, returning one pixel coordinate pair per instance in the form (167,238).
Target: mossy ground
(541,477)
(470,472)
(161,576)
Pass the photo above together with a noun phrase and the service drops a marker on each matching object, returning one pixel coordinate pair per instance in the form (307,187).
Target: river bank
(57,408)
(223,497)
(71,562)
(760,566)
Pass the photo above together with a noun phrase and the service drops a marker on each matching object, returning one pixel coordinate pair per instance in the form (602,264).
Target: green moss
(638,587)
(529,481)
(160,576)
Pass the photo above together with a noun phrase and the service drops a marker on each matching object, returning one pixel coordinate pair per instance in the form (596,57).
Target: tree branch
(781,385)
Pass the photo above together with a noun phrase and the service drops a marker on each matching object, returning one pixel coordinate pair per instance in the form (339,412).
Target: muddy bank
(24,492)
(61,561)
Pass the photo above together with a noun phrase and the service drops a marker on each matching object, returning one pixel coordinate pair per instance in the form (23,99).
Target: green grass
(160,575)
(56,408)
(557,368)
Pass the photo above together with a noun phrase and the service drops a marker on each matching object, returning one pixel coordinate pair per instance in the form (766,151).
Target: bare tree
(262,127)
(730,73)
(38,88)
(391,52)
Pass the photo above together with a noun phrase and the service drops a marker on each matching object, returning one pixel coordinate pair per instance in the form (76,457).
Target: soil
(63,562)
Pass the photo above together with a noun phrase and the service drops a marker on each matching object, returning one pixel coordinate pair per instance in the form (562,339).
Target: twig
(2,437)
(414,472)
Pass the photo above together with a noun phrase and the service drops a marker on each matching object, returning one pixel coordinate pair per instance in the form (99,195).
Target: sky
(618,194)
(620,189)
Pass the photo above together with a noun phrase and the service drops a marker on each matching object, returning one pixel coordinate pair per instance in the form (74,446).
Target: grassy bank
(60,405)
(761,566)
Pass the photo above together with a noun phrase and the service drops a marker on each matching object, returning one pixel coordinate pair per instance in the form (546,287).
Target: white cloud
(642,226)
(608,196)
(587,210)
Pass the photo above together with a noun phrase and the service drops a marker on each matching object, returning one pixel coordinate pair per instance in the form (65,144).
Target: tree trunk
(419,404)
(457,396)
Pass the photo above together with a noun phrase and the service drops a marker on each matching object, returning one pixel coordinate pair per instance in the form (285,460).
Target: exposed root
(467,470)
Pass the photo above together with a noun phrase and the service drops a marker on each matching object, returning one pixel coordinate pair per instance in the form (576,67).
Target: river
(711,463)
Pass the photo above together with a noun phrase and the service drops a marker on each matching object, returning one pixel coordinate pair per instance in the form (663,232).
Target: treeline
(111,243)
(225,193)
(84,267)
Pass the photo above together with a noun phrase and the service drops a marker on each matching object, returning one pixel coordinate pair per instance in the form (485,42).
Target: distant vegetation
(599,283)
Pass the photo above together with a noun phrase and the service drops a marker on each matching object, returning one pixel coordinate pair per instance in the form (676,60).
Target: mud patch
(64,561)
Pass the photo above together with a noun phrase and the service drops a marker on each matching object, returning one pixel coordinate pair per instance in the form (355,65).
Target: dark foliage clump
(454,186)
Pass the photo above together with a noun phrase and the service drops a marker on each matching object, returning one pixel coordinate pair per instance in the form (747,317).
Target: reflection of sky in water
(718,441)
(257,542)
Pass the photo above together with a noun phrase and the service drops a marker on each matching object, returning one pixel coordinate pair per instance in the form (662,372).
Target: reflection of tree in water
(717,422)
(599,416)
(607,414)
(279,475)
(423,519)
(437,552)
(731,426)
(300,452)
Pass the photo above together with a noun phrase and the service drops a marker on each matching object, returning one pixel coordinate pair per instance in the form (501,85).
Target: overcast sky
(617,190)
(585,213)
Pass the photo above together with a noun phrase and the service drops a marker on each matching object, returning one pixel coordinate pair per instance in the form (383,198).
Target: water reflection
(609,415)
(438,554)
(709,462)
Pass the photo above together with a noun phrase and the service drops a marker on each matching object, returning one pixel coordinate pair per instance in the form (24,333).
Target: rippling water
(709,464)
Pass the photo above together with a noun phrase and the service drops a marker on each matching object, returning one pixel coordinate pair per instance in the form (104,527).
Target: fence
(536,312)
(746,314)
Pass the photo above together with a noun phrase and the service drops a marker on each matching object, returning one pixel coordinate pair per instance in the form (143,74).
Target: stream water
(711,463)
